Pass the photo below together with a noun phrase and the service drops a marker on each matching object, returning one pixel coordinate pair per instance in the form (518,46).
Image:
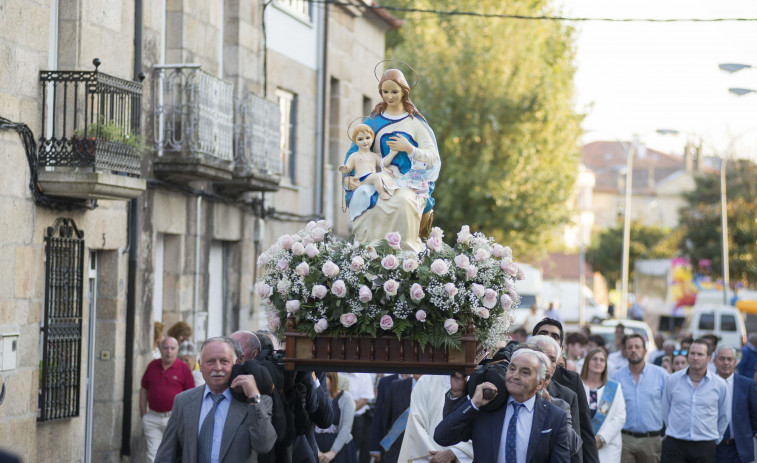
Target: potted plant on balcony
(84,145)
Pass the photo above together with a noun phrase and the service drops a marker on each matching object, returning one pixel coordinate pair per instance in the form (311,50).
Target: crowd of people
(545,396)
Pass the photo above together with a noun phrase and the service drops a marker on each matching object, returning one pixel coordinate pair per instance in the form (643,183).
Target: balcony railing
(257,148)
(90,120)
(194,113)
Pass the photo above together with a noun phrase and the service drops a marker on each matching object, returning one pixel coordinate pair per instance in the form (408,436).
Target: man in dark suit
(394,407)
(528,428)
(572,381)
(737,445)
(377,430)
(245,427)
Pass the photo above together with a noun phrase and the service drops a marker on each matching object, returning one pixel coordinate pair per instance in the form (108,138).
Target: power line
(522,17)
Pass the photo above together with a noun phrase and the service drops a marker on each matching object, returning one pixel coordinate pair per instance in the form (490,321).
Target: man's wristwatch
(254,399)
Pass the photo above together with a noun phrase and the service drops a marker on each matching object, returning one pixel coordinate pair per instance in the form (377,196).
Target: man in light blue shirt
(694,408)
(643,385)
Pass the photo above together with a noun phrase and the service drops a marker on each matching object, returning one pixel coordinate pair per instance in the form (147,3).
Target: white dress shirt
(522,430)
(361,387)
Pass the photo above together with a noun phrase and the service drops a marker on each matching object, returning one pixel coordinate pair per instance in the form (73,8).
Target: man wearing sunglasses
(553,328)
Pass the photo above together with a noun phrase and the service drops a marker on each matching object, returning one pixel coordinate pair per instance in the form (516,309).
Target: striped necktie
(205,440)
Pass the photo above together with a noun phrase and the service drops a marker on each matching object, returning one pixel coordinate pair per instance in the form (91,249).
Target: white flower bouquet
(339,287)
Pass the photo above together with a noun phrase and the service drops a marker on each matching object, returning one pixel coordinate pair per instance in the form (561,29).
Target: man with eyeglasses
(570,379)
(643,385)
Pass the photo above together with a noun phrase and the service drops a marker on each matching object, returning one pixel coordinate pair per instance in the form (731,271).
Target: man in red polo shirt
(164,378)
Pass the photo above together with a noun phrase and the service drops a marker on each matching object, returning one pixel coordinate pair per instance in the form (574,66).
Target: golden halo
(378,79)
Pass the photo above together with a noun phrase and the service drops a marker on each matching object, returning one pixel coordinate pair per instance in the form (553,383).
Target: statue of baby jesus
(366,163)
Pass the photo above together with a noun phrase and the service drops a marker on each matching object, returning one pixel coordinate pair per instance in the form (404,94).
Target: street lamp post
(724,229)
(627,228)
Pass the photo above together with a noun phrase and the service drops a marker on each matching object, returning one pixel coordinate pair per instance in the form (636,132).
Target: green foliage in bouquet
(340,287)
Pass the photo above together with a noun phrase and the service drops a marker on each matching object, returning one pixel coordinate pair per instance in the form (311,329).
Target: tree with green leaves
(702,222)
(498,94)
(647,242)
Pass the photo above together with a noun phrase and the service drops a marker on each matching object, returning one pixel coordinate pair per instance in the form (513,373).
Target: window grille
(60,371)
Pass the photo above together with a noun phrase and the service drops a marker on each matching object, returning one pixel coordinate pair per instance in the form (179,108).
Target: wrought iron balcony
(257,150)
(193,123)
(91,143)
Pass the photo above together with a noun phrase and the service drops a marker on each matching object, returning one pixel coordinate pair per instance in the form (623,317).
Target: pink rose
(274,322)
(394,239)
(319,291)
(416,292)
(391,287)
(386,322)
(307,240)
(471,272)
(348,319)
(357,263)
(302,269)
(434,243)
(339,288)
(282,265)
(509,267)
(263,290)
(482,312)
(311,225)
(321,325)
(286,242)
(264,259)
(311,250)
(478,290)
(420,316)
(293,306)
(482,254)
(450,289)
(298,249)
(498,250)
(490,298)
(409,264)
(520,275)
(450,325)
(509,285)
(318,234)
(505,301)
(439,267)
(283,286)
(365,294)
(330,269)
(390,262)
(437,232)
(462,261)
(323,224)
(463,236)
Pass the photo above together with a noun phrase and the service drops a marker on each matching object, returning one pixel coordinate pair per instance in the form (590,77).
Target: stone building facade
(178,238)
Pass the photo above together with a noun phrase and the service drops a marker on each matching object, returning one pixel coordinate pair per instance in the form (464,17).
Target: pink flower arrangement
(394,239)
(391,287)
(390,262)
(421,316)
(434,243)
(416,292)
(348,319)
(365,294)
(330,269)
(339,289)
(386,323)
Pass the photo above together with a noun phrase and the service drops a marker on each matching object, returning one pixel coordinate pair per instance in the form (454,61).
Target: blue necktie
(205,440)
(511,434)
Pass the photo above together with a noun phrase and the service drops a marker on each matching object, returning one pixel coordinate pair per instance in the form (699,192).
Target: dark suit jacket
(247,432)
(397,401)
(305,449)
(548,441)
(377,431)
(743,417)
(561,392)
(572,381)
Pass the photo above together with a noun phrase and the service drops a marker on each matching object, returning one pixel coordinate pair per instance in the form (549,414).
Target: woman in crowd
(667,363)
(188,354)
(606,404)
(680,361)
(181,331)
(335,443)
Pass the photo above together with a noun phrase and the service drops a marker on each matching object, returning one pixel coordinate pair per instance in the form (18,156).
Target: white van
(725,321)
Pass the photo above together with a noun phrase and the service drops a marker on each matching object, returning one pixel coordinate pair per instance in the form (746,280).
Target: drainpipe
(196,304)
(321,110)
(133,246)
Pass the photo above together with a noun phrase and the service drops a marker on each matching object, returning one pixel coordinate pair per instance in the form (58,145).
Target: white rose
(490,298)
(339,288)
(311,250)
(439,267)
(450,325)
(302,269)
(391,287)
(478,290)
(463,236)
(319,291)
(330,269)
(298,249)
(409,264)
(283,286)
(462,261)
(293,306)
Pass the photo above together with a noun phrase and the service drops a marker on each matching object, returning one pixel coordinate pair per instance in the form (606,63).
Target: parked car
(724,321)
(635,326)
(607,333)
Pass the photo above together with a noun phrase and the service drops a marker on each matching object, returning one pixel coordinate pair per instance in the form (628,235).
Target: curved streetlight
(733,67)
(741,91)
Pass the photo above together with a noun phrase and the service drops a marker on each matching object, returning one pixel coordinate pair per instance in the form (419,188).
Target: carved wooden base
(385,354)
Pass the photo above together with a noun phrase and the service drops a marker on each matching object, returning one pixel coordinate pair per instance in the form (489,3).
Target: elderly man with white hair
(552,350)
(741,408)
(527,428)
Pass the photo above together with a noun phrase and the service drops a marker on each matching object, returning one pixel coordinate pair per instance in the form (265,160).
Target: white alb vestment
(426,407)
